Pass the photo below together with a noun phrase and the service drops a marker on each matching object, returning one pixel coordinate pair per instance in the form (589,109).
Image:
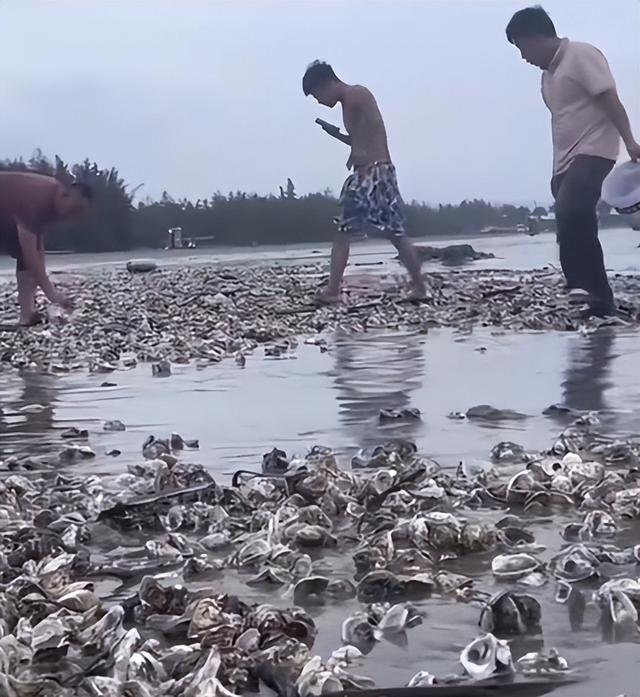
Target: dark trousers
(577,192)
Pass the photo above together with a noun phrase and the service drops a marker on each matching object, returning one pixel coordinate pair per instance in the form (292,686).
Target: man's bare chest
(349,120)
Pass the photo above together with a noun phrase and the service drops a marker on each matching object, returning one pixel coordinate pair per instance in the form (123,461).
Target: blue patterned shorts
(370,196)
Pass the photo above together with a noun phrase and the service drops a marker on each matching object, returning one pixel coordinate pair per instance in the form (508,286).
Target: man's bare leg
(339,258)
(26,296)
(409,257)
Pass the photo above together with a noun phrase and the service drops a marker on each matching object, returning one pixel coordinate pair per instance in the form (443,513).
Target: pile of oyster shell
(203,314)
(115,585)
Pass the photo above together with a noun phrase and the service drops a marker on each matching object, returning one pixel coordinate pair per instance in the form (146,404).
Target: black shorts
(10,244)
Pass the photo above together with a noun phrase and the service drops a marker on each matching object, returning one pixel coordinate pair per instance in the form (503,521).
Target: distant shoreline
(609,224)
(418,239)
(512,251)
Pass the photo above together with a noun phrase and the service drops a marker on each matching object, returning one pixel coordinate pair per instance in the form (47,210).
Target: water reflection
(29,405)
(374,371)
(335,397)
(587,375)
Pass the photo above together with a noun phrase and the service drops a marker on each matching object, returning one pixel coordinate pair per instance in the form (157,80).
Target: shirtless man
(370,194)
(29,202)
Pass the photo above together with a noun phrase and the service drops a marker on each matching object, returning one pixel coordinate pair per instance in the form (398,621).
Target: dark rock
(489,413)
(162,369)
(275,462)
(114,426)
(452,254)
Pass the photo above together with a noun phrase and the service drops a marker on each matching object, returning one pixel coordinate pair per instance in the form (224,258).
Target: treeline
(109,227)
(116,223)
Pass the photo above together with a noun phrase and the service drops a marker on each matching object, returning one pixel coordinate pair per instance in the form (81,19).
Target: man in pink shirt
(587,122)
(29,203)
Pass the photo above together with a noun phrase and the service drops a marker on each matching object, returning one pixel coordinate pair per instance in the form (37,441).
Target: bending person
(29,203)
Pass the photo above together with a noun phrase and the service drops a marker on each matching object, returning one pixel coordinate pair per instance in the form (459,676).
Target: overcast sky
(193,96)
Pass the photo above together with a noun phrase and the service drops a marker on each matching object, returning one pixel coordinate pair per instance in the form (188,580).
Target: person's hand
(633,149)
(59,298)
(329,128)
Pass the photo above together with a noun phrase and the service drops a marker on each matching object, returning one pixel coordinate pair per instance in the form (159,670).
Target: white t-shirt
(577,74)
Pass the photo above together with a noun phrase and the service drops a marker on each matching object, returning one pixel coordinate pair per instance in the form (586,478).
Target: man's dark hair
(83,189)
(530,22)
(317,74)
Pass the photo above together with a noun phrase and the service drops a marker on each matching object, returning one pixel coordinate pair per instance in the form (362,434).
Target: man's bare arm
(612,106)
(34,261)
(334,131)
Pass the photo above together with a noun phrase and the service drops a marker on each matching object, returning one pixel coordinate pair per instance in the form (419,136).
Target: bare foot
(31,320)
(327,299)
(418,293)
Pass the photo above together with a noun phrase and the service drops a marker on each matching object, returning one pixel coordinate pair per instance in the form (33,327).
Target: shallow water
(333,398)
(516,251)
